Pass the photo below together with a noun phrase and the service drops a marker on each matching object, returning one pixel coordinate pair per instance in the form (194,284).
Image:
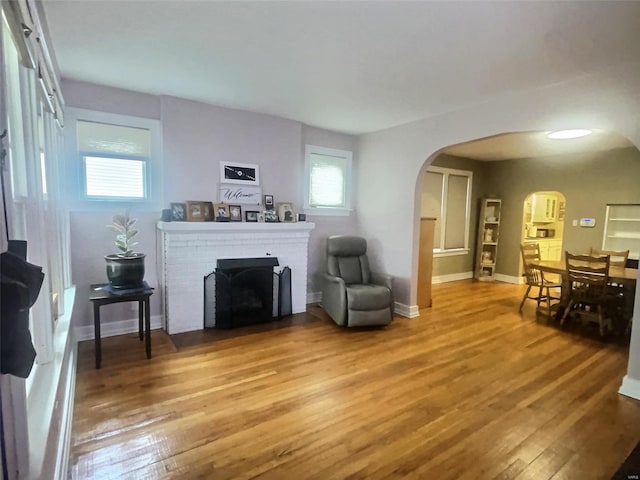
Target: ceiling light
(565,134)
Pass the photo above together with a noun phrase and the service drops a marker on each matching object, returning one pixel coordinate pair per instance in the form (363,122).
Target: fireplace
(246,291)
(189,251)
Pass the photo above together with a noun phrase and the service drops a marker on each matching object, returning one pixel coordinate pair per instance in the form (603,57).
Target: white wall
(391,160)
(195,138)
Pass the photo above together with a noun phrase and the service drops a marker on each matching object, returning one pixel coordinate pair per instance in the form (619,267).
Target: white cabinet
(550,249)
(622,229)
(543,207)
(488,232)
(555,250)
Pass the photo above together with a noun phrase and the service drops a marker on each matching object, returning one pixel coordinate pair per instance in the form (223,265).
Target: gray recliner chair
(352,294)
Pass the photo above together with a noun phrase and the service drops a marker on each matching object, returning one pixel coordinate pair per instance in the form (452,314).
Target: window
(446,196)
(327,181)
(118,159)
(114,160)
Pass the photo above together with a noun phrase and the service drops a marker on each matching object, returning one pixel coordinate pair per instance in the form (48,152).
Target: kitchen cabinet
(543,208)
(488,235)
(622,229)
(549,249)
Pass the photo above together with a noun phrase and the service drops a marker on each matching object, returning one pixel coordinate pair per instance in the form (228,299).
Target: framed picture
(245,194)
(208,211)
(251,216)
(268,202)
(235,213)
(240,173)
(178,212)
(195,211)
(302,217)
(285,212)
(221,212)
(270,216)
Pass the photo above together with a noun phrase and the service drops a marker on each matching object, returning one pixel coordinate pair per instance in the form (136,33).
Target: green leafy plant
(123,224)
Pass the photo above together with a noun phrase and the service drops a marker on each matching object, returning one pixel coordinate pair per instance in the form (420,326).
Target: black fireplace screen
(245,291)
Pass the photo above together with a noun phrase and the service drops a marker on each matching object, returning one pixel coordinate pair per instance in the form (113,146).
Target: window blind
(117,168)
(327,181)
(114,177)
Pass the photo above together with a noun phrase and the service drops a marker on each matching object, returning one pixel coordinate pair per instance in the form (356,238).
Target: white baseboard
(409,311)
(111,329)
(630,387)
(452,277)
(509,278)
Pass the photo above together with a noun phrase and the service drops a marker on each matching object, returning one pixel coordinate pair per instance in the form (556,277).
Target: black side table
(100,297)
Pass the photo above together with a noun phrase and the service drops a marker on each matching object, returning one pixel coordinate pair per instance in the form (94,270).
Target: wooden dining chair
(616,259)
(535,279)
(588,277)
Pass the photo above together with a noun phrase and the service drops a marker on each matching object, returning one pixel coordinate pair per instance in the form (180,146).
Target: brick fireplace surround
(189,251)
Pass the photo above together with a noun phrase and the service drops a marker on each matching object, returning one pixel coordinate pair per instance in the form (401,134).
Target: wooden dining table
(627,277)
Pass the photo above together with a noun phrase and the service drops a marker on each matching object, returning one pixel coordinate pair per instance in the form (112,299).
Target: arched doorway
(543,217)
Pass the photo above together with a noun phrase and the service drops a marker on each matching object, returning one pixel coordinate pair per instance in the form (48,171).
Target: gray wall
(463,263)
(588,181)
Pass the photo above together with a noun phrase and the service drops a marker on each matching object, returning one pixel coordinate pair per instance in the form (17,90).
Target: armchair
(352,294)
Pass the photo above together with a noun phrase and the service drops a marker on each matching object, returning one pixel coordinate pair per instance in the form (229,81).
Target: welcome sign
(243,194)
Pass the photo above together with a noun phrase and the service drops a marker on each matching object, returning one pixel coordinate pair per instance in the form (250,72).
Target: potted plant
(125,269)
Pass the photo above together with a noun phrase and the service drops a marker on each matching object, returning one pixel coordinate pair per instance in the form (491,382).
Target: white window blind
(115,160)
(327,178)
(114,177)
(327,187)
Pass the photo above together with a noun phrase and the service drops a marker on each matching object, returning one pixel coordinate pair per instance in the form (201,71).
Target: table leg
(140,313)
(147,321)
(96,334)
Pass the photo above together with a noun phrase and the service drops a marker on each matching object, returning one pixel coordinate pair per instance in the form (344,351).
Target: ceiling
(352,67)
(511,146)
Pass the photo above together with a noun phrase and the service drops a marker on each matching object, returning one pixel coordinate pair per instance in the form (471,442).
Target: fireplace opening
(246,291)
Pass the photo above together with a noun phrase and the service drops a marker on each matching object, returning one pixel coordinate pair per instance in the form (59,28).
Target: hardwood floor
(469,390)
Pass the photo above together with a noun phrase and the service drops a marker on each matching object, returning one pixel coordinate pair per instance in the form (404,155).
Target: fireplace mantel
(190,250)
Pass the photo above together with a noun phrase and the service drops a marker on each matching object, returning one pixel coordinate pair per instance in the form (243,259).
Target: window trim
(154,164)
(449,252)
(327,210)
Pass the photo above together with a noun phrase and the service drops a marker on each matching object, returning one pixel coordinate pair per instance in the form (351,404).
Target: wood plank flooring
(469,390)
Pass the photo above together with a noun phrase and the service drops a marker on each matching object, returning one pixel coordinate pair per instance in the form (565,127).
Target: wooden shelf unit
(488,239)
(622,229)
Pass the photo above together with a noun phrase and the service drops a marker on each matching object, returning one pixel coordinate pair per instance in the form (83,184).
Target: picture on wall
(240,173)
(244,194)
(268,202)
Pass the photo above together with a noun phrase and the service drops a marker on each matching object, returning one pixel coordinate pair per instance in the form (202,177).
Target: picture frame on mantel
(195,211)
(239,173)
(221,212)
(235,213)
(286,213)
